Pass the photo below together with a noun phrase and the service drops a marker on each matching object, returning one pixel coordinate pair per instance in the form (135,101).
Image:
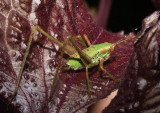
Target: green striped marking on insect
(95,52)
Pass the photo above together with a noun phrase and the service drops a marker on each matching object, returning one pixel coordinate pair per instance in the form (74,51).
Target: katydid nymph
(87,58)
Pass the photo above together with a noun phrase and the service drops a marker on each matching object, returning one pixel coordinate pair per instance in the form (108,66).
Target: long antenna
(130,36)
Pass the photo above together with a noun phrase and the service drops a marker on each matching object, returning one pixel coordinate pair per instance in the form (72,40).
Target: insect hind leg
(58,67)
(66,41)
(23,64)
(82,40)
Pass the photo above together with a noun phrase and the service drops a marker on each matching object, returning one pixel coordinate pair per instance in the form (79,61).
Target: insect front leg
(87,78)
(87,40)
(105,71)
(81,39)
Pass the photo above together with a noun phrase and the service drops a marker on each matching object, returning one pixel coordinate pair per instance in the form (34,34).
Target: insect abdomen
(75,63)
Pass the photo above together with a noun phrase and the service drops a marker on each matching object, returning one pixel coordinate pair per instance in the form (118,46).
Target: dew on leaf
(18,105)
(25,86)
(122,110)
(14,19)
(57,100)
(35,94)
(85,97)
(105,83)
(54,34)
(18,24)
(37,2)
(14,33)
(64,85)
(78,25)
(141,83)
(51,64)
(130,106)
(30,95)
(136,104)
(2,79)
(52,54)
(13,54)
(60,92)
(26,76)
(34,84)
(10,95)
(23,46)
(23,6)
(32,80)
(95,87)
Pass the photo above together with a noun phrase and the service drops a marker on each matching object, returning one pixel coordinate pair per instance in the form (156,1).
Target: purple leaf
(139,89)
(59,18)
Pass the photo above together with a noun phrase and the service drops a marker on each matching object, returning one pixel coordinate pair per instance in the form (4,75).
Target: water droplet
(32,80)
(136,104)
(95,87)
(30,95)
(64,85)
(122,110)
(60,92)
(18,105)
(2,79)
(35,94)
(34,84)
(10,95)
(25,86)
(26,76)
(23,45)
(141,83)
(52,54)
(50,74)
(51,65)
(57,100)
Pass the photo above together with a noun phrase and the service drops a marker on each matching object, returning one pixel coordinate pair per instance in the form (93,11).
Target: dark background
(126,15)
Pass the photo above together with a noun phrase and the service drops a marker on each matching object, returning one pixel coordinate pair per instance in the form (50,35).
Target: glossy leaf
(59,18)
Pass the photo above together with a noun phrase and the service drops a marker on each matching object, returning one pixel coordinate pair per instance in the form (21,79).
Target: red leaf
(59,18)
(139,89)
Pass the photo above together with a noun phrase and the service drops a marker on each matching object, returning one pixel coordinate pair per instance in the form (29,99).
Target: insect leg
(87,77)
(68,49)
(81,39)
(87,40)
(84,57)
(22,66)
(105,71)
(56,74)
(57,70)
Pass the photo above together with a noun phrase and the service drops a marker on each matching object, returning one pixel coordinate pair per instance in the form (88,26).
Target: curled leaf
(139,89)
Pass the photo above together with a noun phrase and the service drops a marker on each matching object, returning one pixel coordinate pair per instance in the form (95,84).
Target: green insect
(87,58)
